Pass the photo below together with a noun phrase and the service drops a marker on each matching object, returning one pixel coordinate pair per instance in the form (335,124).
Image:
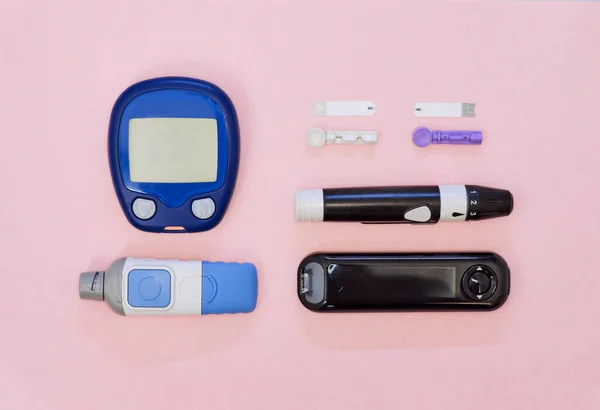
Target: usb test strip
(444,110)
(344,108)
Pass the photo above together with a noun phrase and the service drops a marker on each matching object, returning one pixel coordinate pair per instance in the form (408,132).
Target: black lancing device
(403,204)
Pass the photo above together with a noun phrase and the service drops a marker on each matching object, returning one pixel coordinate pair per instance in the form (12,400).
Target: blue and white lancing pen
(134,286)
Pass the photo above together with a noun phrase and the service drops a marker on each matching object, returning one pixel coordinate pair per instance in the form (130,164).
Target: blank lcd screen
(377,284)
(173,150)
(433,282)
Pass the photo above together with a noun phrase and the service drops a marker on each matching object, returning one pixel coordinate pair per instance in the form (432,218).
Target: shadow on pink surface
(156,339)
(356,331)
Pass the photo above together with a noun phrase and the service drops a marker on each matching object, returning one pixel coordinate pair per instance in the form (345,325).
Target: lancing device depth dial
(479,282)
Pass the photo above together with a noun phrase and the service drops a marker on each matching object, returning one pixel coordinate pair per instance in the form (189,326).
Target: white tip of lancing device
(310,206)
(444,110)
(317,137)
(344,108)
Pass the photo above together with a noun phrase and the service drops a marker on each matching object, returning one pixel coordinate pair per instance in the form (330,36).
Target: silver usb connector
(305,282)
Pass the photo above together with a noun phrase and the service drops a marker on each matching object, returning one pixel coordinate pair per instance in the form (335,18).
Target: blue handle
(228,287)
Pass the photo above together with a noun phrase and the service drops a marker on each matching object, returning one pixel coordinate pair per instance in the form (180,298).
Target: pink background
(533,68)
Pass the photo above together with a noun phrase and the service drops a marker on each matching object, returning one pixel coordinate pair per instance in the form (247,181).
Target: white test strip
(444,109)
(344,108)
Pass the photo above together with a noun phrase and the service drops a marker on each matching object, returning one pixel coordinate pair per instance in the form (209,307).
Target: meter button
(203,208)
(144,208)
(479,282)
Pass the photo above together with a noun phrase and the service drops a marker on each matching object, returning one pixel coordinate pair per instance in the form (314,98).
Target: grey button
(419,214)
(203,208)
(144,208)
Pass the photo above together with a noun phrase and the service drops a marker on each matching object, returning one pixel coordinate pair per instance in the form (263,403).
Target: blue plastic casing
(226,288)
(174,97)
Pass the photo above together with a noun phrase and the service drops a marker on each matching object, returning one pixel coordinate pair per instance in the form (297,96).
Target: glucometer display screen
(173,150)
(363,284)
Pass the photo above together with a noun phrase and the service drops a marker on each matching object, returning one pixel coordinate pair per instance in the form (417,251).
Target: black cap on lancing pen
(487,203)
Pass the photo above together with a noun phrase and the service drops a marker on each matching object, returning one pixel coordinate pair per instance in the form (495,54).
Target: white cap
(310,206)
(316,137)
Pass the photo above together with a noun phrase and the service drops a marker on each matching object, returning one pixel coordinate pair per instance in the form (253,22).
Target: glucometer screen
(173,150)
(352,285)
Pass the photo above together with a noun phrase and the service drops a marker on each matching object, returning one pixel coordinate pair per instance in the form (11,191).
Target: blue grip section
(149,288)
(228,287)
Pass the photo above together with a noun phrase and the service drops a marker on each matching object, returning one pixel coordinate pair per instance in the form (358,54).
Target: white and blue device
(174,146)
(137,286)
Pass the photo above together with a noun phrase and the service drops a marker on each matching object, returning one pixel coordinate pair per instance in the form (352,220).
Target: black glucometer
(330,282)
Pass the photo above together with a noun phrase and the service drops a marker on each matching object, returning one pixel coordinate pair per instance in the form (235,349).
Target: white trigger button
(144,208)
(419,214)
(203,208)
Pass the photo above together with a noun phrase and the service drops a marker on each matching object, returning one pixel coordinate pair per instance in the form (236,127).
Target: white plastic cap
(310,206)
(316,137)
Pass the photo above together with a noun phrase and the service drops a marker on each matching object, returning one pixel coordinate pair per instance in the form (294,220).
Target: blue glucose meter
(174,151)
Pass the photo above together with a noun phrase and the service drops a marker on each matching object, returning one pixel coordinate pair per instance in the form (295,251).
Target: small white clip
(317,137)
(344,108)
